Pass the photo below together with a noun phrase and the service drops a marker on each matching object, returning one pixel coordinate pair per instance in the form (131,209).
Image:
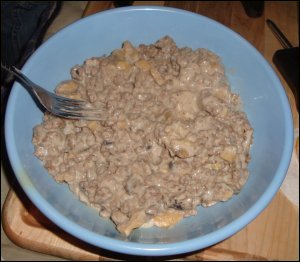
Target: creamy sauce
(174,137)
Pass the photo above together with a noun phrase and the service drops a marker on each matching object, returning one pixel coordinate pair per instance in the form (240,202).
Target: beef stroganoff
(175,136)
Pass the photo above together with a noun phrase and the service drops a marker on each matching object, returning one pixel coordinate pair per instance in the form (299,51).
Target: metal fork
(57,105)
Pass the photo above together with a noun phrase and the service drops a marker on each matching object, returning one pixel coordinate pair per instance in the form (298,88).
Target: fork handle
(20,77)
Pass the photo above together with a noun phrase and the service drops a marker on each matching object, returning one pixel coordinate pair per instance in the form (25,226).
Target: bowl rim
(143,249)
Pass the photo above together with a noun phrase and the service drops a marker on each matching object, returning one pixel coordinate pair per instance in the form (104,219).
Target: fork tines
(70,108)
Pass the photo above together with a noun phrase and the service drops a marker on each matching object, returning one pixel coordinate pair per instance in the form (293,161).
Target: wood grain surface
(273,235)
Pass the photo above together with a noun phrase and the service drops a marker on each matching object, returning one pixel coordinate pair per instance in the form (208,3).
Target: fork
(57,105)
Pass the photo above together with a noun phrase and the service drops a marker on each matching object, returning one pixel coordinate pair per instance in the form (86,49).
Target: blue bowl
(264,101)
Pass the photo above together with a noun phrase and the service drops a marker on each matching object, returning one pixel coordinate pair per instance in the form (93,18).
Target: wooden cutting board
(273,235)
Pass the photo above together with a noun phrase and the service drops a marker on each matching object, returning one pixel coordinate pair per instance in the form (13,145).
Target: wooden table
(273,235)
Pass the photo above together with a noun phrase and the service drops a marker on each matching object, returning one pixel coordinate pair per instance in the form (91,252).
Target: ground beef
(174,137)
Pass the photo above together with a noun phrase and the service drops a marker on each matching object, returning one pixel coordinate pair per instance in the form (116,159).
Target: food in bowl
(175,136)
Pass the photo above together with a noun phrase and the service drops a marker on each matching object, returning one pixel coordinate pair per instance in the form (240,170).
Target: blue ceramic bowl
(264,100)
